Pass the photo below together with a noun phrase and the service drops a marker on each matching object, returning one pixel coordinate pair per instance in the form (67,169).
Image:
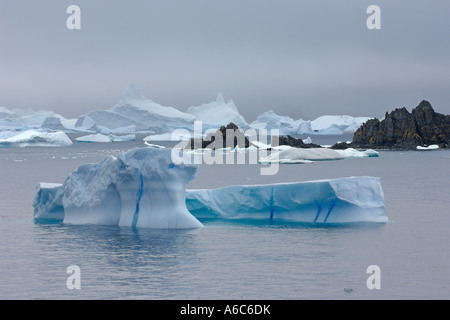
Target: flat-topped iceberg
(344,200)
(291,155)
(98,137)
(34,138)
(140,188)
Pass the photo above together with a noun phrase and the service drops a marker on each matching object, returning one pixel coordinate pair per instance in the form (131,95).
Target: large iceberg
(135,113)
(34,138)
(140,188)
(144,188)
(344,200)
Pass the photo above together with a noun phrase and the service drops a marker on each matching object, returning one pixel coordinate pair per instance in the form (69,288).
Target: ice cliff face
(140,188)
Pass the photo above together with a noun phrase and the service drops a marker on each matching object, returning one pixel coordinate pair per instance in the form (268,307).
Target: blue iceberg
(144,188)
(352,199)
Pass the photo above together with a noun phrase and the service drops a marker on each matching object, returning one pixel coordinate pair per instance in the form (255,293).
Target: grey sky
(300,58)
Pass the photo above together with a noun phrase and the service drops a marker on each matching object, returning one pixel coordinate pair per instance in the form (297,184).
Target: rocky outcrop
(402,129)
(229,136)
(295,142)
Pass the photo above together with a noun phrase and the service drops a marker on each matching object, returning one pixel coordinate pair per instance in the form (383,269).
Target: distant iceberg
(94,138)
(218,113)
(430,147)
(33,138)
(291,155)
(269,120)
(336,125)
(106,138)
(344,200)
(135,113)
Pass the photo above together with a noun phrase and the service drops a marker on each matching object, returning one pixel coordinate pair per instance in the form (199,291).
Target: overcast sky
(299,58)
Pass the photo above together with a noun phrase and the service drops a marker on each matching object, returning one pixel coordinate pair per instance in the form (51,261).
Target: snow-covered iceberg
(94,138)
(430,147)
(106,138)
(301,155)
(291,155)
(218,113)
(269,120)
(34,138)
(344,200)
(140,188)
(334,125)
(135,113)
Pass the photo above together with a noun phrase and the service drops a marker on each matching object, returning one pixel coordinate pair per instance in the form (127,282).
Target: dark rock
(401,129)
(229,136)
(340,146)
(294,142)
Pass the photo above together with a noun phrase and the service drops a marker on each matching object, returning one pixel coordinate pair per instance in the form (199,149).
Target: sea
(408,257)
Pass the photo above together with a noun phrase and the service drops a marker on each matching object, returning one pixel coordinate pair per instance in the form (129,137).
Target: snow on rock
(139,188)
(218,113)
(34,138)
(344,200)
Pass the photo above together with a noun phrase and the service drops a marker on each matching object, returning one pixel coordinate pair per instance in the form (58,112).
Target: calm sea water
(231,259)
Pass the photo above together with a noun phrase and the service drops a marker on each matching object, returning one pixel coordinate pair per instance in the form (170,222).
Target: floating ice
(291,155)
(329,124)
(353,199)
(33,138)
(135,112)
(48,201)
(139,188)
(300,155)
(94,138)
(269,120)
(430,147)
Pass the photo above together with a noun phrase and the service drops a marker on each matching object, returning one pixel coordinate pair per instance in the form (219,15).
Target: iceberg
(53,123)
(353,153)
(140,188)
(269,120)
(218,113)
(34,138)
(94,138)
(337,124)
(292,155)
(47,203)
(344,200)
(134,112)
(430,147)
